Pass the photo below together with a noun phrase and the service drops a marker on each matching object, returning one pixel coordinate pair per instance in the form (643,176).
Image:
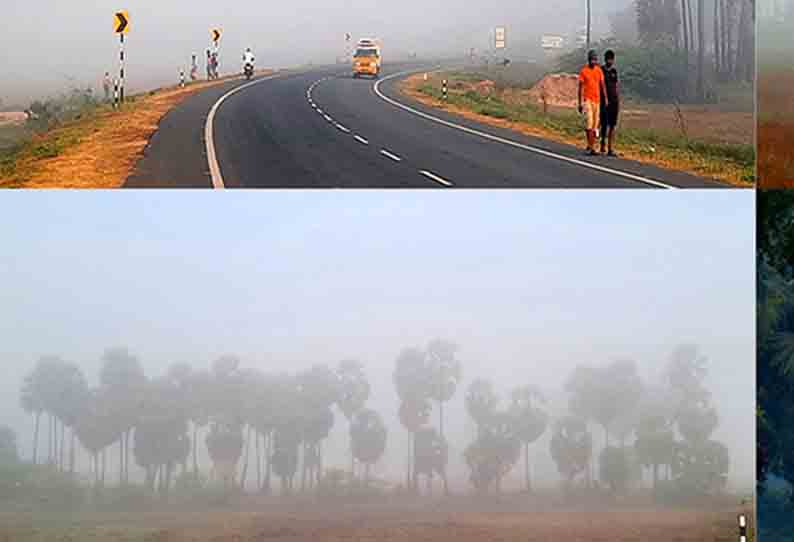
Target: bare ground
(775,127)
(457,519)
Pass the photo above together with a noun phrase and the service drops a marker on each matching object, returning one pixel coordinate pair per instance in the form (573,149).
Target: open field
(459,519)
(709,140)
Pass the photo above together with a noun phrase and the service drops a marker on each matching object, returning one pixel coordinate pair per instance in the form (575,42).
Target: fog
(49,45)
(528,285)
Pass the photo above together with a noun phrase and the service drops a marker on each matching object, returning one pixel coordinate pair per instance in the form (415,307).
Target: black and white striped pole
(121,70)
(121,25)
(182,78)
(115,94)
(444,89)
(742,528)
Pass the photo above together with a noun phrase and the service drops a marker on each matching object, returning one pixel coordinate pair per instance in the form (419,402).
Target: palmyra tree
(412,381)
(226,403)
(161,435)
(481,402)
(431,453)
(530,421)
(655,440)
(59,389)
(445,372)
(354,390)
(122,379)
(571,446)
(494,453)
(368,437)
(319,389)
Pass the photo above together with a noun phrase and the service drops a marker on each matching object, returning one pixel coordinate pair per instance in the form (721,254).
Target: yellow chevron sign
(121,22)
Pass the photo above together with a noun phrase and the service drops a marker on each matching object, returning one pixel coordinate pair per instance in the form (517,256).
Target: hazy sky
(46,42)
(529,284)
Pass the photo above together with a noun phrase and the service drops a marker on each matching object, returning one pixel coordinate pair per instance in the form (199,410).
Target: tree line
(258,426)
(691,44)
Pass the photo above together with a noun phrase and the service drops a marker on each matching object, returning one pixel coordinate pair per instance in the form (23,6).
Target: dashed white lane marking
(387,154)
(510,142)
(345,130)
(361,140)
(329,119)
(436,178)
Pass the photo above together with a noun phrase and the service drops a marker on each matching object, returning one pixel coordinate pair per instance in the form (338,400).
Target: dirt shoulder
(98,149)
(729,160)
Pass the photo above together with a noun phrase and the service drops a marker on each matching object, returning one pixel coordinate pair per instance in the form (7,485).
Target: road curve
(320,128)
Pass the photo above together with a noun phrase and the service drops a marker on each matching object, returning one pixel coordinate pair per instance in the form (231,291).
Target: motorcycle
(248,71)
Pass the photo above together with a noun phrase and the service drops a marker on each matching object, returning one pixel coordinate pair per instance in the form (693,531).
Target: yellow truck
(367,59)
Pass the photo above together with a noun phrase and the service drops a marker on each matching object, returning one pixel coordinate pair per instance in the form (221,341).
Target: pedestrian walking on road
(610,110)
(209,65)
(591,89)
(194,69)
(107,86)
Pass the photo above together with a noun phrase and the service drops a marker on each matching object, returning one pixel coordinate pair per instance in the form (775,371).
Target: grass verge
(98,149)
(731,163)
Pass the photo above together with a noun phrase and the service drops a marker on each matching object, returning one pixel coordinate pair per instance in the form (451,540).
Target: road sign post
(121,26)
(444,89)
(500,37)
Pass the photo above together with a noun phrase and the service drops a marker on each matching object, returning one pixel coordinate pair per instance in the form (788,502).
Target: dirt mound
(13,117)
(558,89)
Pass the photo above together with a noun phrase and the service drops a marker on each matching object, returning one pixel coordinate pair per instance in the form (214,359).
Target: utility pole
(588,25)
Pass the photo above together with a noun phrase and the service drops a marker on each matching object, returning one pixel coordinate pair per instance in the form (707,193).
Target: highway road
(320,128)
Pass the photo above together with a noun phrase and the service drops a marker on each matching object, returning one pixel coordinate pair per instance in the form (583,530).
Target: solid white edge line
(394,157)
(362,140)
(209,139)
(510,142)
(435,178)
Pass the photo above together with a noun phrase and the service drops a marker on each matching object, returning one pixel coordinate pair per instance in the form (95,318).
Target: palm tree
(431,456)
(412,381)
(445,373)
(530,421)
(481,402)
(368,437)
(571,447)
(354,391)
(121,376)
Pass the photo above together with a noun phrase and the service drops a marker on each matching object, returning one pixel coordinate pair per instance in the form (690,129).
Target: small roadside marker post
(742,528)
(444,89)
(115,94)
(182,78)
(121,26)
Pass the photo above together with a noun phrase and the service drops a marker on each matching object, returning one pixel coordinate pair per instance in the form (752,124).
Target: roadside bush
(656,73)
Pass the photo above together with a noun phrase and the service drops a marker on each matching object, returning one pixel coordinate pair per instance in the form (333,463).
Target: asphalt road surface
(320,128)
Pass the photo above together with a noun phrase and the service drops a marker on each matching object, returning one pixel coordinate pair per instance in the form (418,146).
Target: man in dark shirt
(610,109)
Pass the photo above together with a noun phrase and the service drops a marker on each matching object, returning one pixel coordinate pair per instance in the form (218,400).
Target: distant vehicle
(367,58)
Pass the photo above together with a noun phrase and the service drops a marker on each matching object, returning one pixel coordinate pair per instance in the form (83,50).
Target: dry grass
(457,519)
(650,118)
(100,149)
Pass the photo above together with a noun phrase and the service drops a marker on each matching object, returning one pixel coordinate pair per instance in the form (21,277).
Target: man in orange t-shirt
(591,88)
